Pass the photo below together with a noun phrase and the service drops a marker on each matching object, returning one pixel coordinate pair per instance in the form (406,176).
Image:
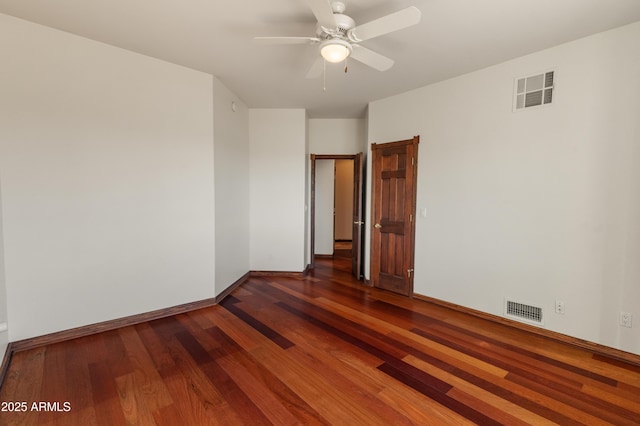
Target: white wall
(277,185)
(106,158)
(231,153)
(539,205)
(344,199)
(4,335)
(325,196)
(333,136)
(307,194)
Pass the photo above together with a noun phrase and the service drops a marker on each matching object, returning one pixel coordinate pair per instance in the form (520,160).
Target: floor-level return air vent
(523,312)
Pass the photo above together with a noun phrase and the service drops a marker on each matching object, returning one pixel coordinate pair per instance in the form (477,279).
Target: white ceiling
(454,37)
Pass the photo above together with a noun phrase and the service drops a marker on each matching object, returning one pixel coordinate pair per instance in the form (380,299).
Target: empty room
(320,212)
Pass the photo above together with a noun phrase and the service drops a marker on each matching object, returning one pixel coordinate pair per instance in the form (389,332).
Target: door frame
(312,202)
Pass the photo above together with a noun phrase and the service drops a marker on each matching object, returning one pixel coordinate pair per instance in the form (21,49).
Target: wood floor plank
(626,374)
(196,399)
(315,389)
(365,374)
(353,391)
(156,347)
(236,329)
(54,388)
(478,375)
(259,326)
(483,400)
(201,319)
(535,376)
(229,389)
(524,357)
(498,415)
(434,389)
(531,358)
(106,399)
(525,367)
(600,409)
(287,370)
(411,339)
(260,395)
(295,405)
(134,407)
(629,391)
(119,363)
(287,323)
(616,398)
(78,385)
(413,405)
(149,388)
(200,334)
(439,388)
(22,385)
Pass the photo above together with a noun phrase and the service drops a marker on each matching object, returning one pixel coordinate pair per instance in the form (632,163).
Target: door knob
(377,226)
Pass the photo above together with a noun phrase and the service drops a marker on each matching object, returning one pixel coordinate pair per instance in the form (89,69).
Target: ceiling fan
(338,36)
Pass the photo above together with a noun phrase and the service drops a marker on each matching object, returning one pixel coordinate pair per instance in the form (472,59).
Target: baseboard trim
(286,274)
(6,360)
(596,348)
(324,256)
(100,327)
(219,298)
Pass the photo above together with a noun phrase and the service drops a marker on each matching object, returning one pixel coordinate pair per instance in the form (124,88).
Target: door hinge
(412,161)
(411,217)
(409,272)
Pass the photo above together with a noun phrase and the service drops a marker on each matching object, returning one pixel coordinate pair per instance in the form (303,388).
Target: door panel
(393,204)
(357,234)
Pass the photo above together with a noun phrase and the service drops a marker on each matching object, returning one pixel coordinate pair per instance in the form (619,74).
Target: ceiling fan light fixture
(335,50)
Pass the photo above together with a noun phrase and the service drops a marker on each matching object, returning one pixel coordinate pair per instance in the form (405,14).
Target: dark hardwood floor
(319,350)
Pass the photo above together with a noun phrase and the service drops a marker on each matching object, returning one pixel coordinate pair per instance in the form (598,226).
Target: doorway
(336,208)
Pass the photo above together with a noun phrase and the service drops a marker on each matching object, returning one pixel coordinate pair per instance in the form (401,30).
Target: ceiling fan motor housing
(343,23)
(338,7)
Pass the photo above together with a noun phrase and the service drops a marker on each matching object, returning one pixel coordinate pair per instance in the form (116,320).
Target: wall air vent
(523,312)
(534,90)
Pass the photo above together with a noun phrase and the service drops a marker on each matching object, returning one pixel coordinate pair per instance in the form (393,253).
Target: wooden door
(393,201)
(357,234)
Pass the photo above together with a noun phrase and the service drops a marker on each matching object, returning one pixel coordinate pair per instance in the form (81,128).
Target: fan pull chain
(324,75)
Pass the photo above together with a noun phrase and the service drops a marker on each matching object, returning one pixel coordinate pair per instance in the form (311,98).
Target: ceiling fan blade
(387,24)
(323,12)
(371,58)
(316,69)
(286,40)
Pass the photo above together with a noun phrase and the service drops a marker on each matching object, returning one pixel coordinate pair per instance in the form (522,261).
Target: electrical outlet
(559,307)
(625,319)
